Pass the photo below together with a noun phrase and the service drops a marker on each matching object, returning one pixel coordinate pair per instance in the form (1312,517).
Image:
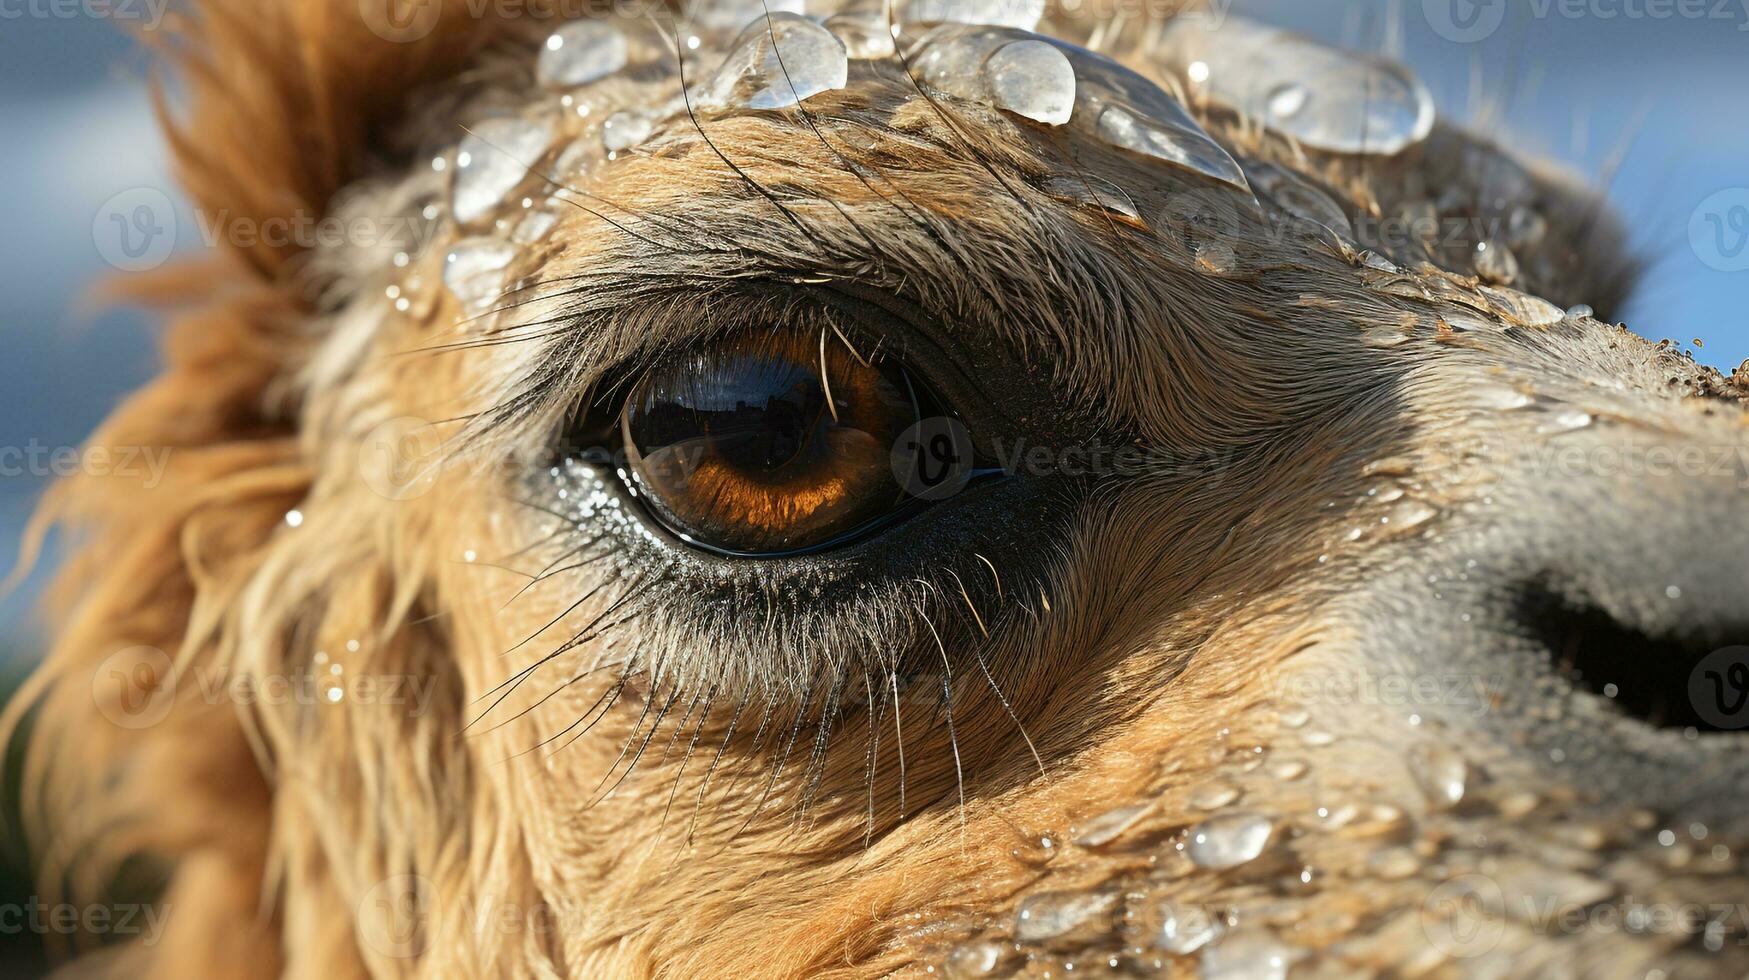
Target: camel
(950,488)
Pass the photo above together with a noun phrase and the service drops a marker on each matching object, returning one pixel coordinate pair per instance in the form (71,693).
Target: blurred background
(1644,95)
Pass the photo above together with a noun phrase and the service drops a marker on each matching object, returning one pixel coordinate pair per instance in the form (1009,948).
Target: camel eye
(771,443)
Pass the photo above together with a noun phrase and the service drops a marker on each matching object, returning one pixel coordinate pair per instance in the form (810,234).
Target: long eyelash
(686,97)
(691,745)
(947,705)
(716,760)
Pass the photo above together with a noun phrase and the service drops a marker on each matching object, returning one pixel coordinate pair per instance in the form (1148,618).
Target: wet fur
(277,825)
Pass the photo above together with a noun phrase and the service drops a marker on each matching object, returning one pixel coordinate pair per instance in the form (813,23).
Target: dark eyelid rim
(886,323)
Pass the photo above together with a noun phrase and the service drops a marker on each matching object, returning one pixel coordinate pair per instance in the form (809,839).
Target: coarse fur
(607,759)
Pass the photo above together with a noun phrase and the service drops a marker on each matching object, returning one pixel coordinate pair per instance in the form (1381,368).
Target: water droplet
(733,15)
(1565,420)
(1089,190)
(474,271)
(1131,112)
(1107,827)
(1523,308)
(1246,956)
(1327,99)
(581,52)
(1441,773)
(978,959)
(1580,312)
(864,33)
(625,129)
(1499,398)
(1020,14)
(1229,840)
(1184,929)
(1216,258)
(1495,262)
(1410,513)
(1287,100)
(1373,260)
(534,226)
(778,62)
(1052,914)
(1213,796)
(1289,770)
(1032,79)
(1300,198)
(498,155)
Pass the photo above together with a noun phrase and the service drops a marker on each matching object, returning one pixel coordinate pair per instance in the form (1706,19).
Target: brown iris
(766,443)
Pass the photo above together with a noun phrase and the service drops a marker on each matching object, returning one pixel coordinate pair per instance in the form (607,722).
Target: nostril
(1644,675)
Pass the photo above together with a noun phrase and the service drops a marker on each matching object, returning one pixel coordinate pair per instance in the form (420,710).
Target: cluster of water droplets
(983,51)
(1325,98)
(1260,860)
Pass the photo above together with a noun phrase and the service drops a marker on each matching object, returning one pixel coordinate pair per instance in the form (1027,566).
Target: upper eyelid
(565,371)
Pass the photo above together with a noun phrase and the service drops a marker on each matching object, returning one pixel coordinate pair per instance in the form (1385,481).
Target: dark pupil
(759,415)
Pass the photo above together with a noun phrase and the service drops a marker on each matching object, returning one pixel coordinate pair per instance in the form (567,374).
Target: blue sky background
(78,130)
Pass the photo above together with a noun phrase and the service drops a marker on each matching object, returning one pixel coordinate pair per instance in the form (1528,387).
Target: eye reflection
(767,443)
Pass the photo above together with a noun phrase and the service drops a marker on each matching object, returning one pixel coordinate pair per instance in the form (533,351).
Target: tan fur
(1150,667)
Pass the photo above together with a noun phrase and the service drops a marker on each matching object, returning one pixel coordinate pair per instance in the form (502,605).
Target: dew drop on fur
(1032,79)
(1088,190)
(1184,929)
(1021,14)
(997,66)
(474,271)
(731,15)
(1108,826)
(1053,914)
(864,33)
(493,159)
(978,959)
(1128,111)
(778,62)
(1300,199)
(626,129)
(1325,98)
(1246,956)
(579,53)
(1229,840)
(1495,262)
